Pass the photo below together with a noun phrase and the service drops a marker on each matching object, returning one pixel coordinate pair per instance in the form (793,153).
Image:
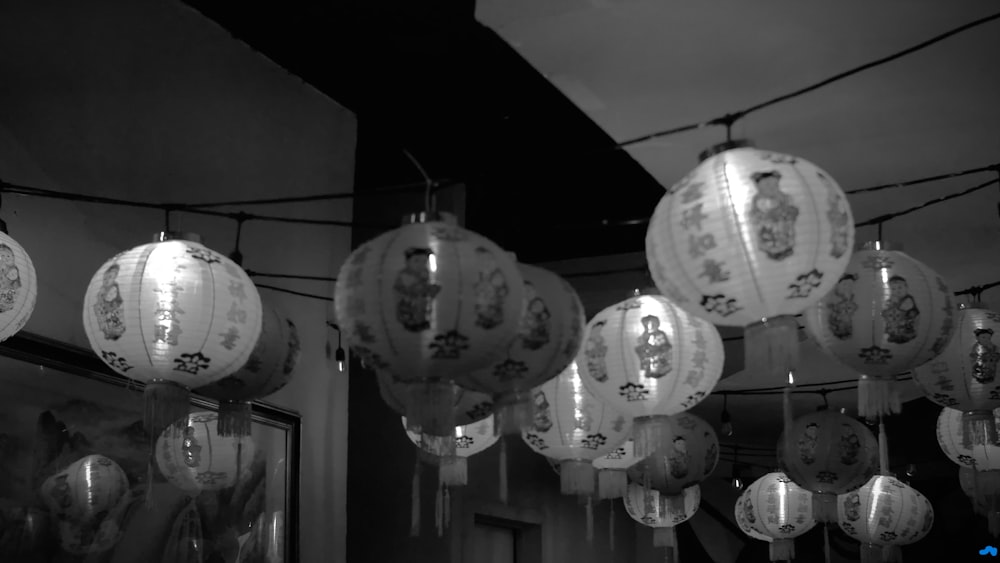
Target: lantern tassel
(883,449)
(590,520)
(415,501)
(673,504)
(439,509)
(431,408)
(870,553)
(826,543)
(664,536)
(611,483)
(503,471)
(772,347)
(447,507)
(453,471)
(782,550)
(892,554)
(993,523)
(234,418)
(670,555)
(514,412)
(825,507)
(650,433)
(166,405)
(979,428)
(576,477)
(878,396)
(611,527)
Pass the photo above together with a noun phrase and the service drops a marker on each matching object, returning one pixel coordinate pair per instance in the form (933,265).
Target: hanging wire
(924,180)
(256,274)
(926,204)
(428,183)
(370,192)
(236,255)
(293,292)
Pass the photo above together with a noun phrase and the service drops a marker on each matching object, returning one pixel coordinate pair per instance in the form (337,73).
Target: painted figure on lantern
(414,291)
(536,320)
(773,215)
(543,419)
(109,305)
(595,350)
(852,506)
(807,444)
(491,290)
(900,312)
(653,349)
(842,310)
(748,511)
(850,446)
(10,279)
(678,459)
(984,356)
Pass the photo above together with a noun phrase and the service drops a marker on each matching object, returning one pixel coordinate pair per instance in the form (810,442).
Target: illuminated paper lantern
(981,457)
(451,453)
(85,489)
(964,375)
(199,459)
(429,302)
(468,407)
(549,337)
(688,454)
(884,514)
(649,359)
(833,454)
(751,238)
(574,427)
(888,314)
(778,508)
(612,478)
(647,507)
(174,315)
(268,369)
(744,525)
(18,285)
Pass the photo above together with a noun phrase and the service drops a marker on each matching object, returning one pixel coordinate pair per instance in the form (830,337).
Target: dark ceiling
(430,78)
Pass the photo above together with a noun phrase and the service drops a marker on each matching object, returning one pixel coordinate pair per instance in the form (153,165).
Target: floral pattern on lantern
(612,478)
(688,453)
(18,286)
(649,359)
(885,512)
(198,459)
(833,454)
(981,457)
(776,507)
(452,457)
(429,302)
(574,427)
(648,508)
(549,337)
(888,314)
(964,375)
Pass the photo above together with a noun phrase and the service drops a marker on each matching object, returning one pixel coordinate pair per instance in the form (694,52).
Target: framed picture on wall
(79,481)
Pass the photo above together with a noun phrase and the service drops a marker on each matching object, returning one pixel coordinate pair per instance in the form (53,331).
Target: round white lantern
(18,286)
(451,453)
(612,476)
(647,507)
(85,489)
(775,506)
(198,459)
(175,315)
(649,359)
(883,515)
(981,457)
(574,427)
(751,238)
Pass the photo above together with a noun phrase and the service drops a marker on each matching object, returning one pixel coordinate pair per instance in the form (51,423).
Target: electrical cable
(293,292)
(371,192)
(255,274)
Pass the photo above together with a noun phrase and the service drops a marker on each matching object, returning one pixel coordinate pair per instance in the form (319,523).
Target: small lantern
(18,285)
(85,489)
(451,453)
(174,315)
(776,507)
(751,238)
(427,303)
(469,406)
(199,459)
(981,457)
(649,509)
(612,478)
(888,314)
(649,359)
(884,514)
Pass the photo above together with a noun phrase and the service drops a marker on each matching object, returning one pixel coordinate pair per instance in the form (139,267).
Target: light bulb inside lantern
(432,263)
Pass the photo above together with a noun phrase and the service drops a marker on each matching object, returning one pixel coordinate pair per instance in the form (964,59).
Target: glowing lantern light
(174,315)
(18,285)
(574,427)
(964,376)
(883,515)
(198,459)
(469,406)
(612,478)
(649,359)
(647,507)
(888,314)
(751,238)
(429,302)
(776,507)
(688,454)
(451,453)
(744,524)
(832,454)
(268,369)
(981,457)
(548,339)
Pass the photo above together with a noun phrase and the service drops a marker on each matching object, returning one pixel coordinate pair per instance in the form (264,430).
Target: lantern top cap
(878,245)
(723,147)
(430,217)
(164,236)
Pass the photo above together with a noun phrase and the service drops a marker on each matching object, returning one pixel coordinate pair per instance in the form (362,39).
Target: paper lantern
(468,407)
(100,534)
(981,457)
(776,507)
(888,314)
(751,238)
(85,489)
(964,375)
(549,337)
(688,454)
(268,369)
(451,453)
(649,359)
(18,285)
(883,515)
(612,478)
(833,454)
(174,315)
(574,427)
(427,303)
(744,525)
(648,508)
(199,459)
